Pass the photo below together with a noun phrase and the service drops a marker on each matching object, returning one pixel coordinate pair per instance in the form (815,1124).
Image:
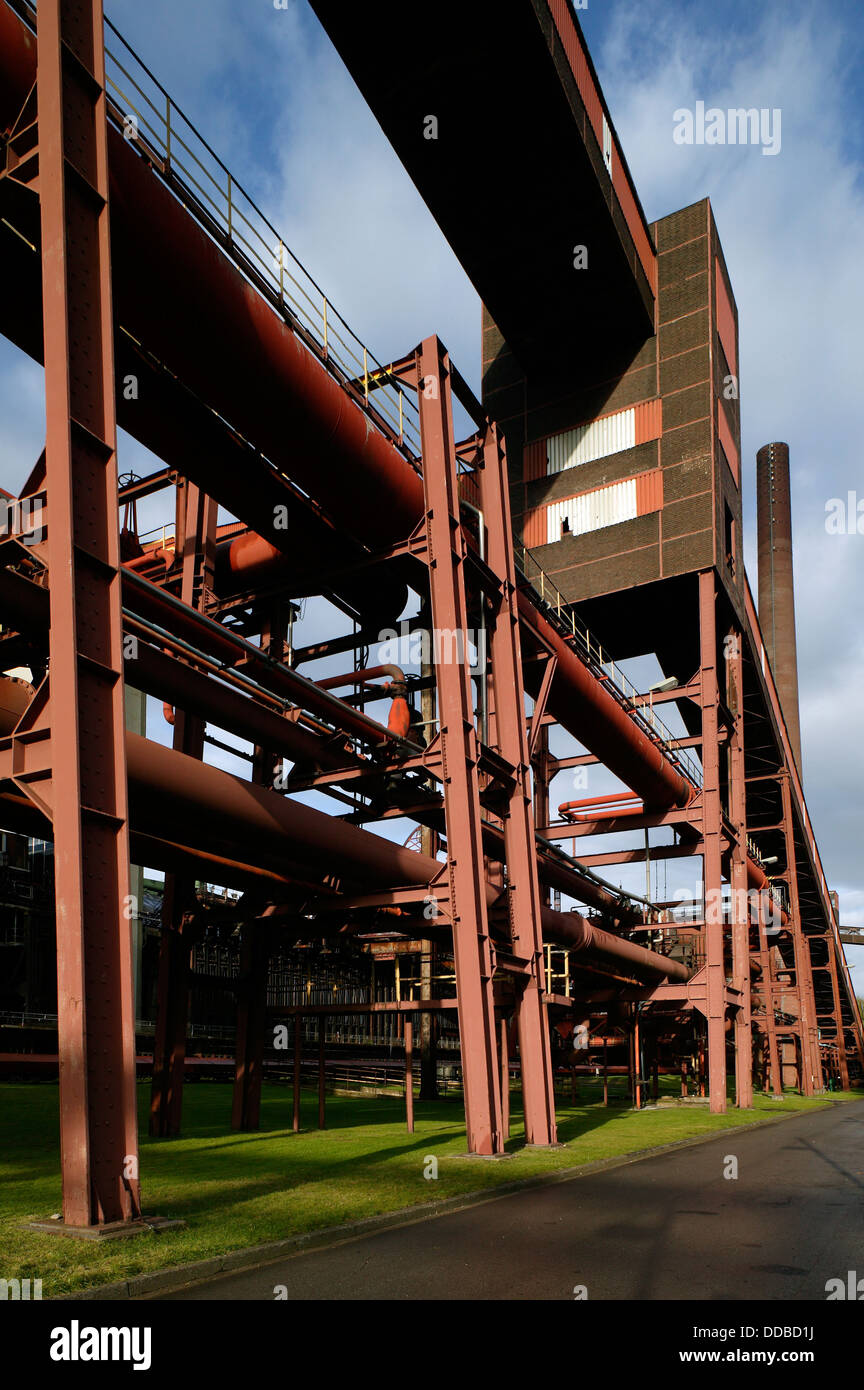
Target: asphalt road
(669,1227)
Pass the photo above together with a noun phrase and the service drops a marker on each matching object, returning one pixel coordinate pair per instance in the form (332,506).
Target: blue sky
(271,95)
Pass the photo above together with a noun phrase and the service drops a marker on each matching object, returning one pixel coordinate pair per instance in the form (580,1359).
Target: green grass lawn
(236,1190)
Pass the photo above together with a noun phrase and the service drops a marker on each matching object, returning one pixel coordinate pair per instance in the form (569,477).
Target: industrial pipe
(583,707)
(176,798)
(399,717)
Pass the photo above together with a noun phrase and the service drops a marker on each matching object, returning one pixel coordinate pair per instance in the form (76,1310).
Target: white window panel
(607,145)
(592,511)
(596,440)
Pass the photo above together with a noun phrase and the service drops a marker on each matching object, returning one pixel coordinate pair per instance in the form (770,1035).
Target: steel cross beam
(523,887)
(712,822)
(441,537)
(96,1024)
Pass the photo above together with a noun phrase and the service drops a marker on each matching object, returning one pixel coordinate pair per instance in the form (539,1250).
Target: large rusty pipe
(188,689)
(201,800)
(758,879)
(161,608)
(25,603)
(585,709)
(176,798)
(573,930)
(184,687)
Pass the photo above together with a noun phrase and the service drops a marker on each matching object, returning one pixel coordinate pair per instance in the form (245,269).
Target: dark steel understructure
(160,300)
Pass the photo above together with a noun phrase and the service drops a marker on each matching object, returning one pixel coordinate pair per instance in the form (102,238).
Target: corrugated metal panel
(591,511)
(728,442)
(604,506)
(534,527)
(649,491)
(596,440)
(725,320)
(534,459)
(649,420)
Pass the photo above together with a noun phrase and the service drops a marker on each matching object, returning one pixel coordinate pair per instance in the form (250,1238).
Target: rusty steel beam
(738,873)
(252,1003)
(251,1025)
(443,542)
(811,1064)
(195,528)
(96,1023)
(523,888)
(712,822)
(764,988)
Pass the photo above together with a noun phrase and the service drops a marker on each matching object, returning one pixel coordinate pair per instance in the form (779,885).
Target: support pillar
(441,536)
(409,1075)
(740,907)
(837,1012)
(712,844)
(775,1078)
(298,1047)
(523,888)
(505,1076)
(252,1001)
(195,543)
(322,1072)
(811,1066)
(96,1023)
(251,1023)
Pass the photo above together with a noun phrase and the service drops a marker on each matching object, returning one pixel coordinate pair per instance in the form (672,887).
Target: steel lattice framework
(299,422)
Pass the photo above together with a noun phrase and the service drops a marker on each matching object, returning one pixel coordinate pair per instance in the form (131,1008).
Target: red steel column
(738,872)
(251,1023)
(96,1024)
(298,1048)
(409,1075)
(811,1065)
(768,994)
(712,849)
(523,886)
(472,947)
(837,1011)
(505,1076)
(195,523)
(252,1001)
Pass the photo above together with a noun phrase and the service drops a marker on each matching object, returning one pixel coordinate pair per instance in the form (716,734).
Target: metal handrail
(553,605)
(165,136)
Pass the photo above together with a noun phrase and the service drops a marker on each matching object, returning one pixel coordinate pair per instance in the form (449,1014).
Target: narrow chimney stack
(776,583)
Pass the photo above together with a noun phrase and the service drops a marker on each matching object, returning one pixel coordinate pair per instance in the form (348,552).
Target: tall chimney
(776,584)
